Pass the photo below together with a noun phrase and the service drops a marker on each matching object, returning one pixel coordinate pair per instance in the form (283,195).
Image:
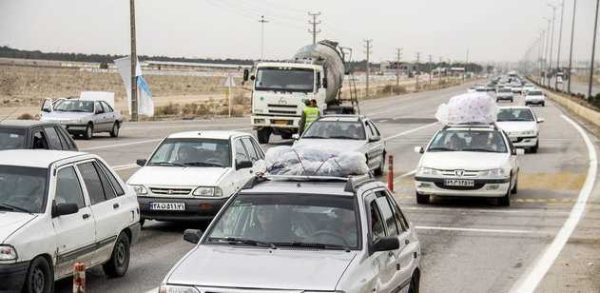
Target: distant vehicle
(503,94)
(347,133)
(303,235)
(521,125)
(58,208)
(83,117)
(33,134)
(536,97)
(468,160)
(191,174)
(528,88)
(516,88)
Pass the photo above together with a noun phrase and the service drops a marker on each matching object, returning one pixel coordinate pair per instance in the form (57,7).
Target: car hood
(517,126)
(464,160)
(242,267)
(60,115)
(178,176)
(340,145)
(10,222)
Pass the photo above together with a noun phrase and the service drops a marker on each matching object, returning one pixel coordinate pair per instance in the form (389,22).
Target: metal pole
(429,66)
(551,40)
(134,100)
(562,13)
(262,36)
(593,52)
(368,47)
(571,49)
(314,24)
(417,72)
(540,54)
(398,56)
(546,53)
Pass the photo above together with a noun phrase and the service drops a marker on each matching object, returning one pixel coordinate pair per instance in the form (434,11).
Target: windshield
(74,106)
(468,140)
(336,130)
(504,90)
(22,189)
(318,221)
(534,93)
(279,79)
(192,152)
(11,138)
(515,115)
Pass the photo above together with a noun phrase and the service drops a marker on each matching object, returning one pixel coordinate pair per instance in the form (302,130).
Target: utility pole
(546,52)
(417,71)
(466,64)
(314,24)
(429,66)
(262,36)
(398,58)
(593,52)
(562,13)
(133,59)
(551,39)
(541,54)
(368,47)
(571,49)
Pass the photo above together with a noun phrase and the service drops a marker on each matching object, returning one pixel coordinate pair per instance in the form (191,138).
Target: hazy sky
(492,30)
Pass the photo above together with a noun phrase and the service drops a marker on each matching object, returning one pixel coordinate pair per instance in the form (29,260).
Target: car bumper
(12,276)
(275,122)
(195,209)
(481,188)
(524,141)
(505,98)
(75,128)
(534,101)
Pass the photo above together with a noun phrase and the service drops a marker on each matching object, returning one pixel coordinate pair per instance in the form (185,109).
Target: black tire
(505,200)
(115,130)
(544,104)
(263,135)
(118,263)
(142,221)
(423,198)
(515,188)
(39,278)
(512,100)
(286,135)
(415,283)
(379,170)
(535,148)
(89,131)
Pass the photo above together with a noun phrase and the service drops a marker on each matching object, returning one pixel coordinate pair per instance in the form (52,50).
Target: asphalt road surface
(469,245)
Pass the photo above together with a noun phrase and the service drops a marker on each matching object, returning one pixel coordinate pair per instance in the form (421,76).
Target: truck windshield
(281,79)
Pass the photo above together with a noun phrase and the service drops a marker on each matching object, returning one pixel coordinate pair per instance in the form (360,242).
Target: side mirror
(62,209)
(386,244)
(246,74)
(419,150)
(374,138)
(295,136)
(141,162)
(540,120)
(47,106)
(520,152)
(192,235)
(325,83)
(243,165)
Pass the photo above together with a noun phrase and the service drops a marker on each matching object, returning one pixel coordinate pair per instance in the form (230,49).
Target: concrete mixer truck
(280,89)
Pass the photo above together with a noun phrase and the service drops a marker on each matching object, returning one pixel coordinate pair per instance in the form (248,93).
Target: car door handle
(115,206)
(85,216)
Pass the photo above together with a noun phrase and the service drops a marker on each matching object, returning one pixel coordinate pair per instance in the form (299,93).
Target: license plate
(280,122)
(167,206)
(459,182)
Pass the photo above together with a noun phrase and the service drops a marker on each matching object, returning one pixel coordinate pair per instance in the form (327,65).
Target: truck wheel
(40,278)
(263,135)
(422,198)
(115,130)
(118,263)
(286,135)
(89,132)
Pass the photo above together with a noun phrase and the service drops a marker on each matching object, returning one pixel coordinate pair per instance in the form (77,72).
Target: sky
(490,30)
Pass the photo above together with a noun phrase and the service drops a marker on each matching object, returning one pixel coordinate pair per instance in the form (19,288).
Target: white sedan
(468,160)
(535,97)
(521,125)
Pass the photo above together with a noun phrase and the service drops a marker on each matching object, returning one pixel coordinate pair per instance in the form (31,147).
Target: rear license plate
(459,182)
(280,122)
(167,206)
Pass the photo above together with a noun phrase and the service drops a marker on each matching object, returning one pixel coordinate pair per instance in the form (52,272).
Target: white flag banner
(145,102)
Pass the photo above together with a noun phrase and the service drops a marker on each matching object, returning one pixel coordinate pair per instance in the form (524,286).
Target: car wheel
(543,104)
(89,132)
(415,282)
(263,135)
(286,135)
(115,130)
(118,263)
(515,188)
(379,170)
(423,198)
(39,278)
(512,100)
(142,221)
(535,148)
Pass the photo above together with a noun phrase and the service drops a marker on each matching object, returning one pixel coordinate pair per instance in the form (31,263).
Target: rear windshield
(12,138)
(534,93)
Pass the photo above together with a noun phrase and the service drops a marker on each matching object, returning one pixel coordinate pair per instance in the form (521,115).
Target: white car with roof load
(191,174)
(535,97)
(303,234)
(473,160)
(521,125)
(58,208)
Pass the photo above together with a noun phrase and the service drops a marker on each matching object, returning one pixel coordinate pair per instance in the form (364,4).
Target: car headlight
(7,253)
(208,191)
(428,171)
(528,132)
(177,289)
(140,189)
(498,172)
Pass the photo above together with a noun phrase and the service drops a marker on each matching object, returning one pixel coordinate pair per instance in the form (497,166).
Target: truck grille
(170,191)
(282,109)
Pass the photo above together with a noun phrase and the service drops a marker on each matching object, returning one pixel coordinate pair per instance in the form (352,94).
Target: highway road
(469,245)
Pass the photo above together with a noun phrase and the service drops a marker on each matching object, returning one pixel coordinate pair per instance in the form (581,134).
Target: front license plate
(167,206)
(459,182)
(280,122)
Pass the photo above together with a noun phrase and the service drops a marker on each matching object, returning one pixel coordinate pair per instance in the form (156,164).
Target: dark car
(33,134)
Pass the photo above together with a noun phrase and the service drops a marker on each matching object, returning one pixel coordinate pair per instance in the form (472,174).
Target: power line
(368,48)
(314,24)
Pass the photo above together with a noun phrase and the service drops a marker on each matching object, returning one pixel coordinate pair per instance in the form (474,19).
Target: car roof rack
(471,125)
(352,182)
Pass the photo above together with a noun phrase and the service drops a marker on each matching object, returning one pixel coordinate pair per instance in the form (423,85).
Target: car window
(258,149)
(374,128)
(240,152)
(68,188)
(53,140)
(109,192)
(387,214)
(39,140)
(65,138)
(401,221)
(12,138)
(113,180)
(371,131)
(107,107)
(376,228)
(98,108)
(250,148)
(468,140)
(321,129)
(92,182)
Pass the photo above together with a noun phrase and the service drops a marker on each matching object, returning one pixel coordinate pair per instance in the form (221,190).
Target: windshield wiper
(441,149)
(313,136)
(14,208)
(203,164)
(167,164)
(235,240)
(313,245)
(342,137)
(479,150)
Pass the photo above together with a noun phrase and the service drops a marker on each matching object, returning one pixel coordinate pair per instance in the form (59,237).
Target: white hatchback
(191,174)
(58,208)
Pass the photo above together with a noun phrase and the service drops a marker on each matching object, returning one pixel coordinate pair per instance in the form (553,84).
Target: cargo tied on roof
(469,108)
(304,161)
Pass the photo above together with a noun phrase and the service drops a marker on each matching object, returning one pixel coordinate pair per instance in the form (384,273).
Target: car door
(54,142)
(75,240)
(99,118)
(110,114)
(384,262)
(241,176)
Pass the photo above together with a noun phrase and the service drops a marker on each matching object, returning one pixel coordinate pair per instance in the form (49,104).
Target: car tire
(515,188)
(535,148)
(544,104)
(142,221)
(379,170)
(89,132)
(512,100)
(115,130)
(423,198)
(415,282)
(40,277)
(263,135)
(118,263)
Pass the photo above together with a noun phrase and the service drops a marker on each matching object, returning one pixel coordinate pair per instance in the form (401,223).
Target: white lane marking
(536,272)
(410,131)
(124,167)
(484,211)
(383,121)
(479,230)
(153,290)
(407,174)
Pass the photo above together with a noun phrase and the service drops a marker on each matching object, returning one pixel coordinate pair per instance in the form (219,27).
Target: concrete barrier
(584,112)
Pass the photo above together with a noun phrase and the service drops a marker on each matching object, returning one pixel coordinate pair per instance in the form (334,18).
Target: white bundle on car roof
(469,108)
(306,161)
